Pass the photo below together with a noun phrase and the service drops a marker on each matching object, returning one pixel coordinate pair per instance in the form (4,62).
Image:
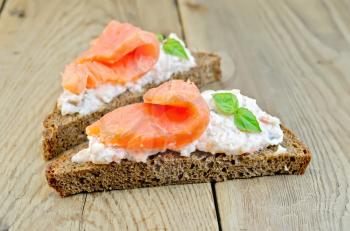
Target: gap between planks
(217,211)
(2,6)
(212,184)
(180,20)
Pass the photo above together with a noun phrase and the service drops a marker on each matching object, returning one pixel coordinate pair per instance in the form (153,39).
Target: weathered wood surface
(293,56)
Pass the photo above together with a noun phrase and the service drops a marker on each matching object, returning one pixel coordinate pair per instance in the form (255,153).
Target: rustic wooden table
(293,56)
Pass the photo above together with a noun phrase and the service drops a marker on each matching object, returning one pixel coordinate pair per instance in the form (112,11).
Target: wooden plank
(293,56)
(37,39)
(184,207)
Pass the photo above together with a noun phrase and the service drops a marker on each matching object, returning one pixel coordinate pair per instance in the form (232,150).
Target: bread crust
(60,133)
(168,168)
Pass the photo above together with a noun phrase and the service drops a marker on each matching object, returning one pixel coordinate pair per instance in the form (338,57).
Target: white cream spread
(221,136)
(280,150)
(100,153)
(91,100)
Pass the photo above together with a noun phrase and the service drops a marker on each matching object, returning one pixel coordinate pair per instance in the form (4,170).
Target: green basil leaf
(160,37)
(246,121)
(175,48)
(226,103)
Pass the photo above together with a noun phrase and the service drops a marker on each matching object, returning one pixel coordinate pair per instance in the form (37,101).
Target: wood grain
(37,39)
(293,56)
(184,207)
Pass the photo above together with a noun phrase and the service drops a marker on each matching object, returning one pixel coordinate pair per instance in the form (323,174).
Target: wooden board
(37,39)
(293,56)
(184,207)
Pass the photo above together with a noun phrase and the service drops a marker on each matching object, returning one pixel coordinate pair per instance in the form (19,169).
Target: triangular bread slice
(168,168)
(61,133)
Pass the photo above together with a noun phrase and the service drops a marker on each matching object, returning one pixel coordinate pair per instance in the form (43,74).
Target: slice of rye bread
(168,168)
(61,133)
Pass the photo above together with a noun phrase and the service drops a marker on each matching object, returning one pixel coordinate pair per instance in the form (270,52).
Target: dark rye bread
(61,133)
(169,168)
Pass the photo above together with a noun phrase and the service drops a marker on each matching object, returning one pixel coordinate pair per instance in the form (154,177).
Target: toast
(61,133)
(168,168)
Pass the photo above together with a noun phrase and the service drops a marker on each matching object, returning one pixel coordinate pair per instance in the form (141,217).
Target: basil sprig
(172,47)
(244,119)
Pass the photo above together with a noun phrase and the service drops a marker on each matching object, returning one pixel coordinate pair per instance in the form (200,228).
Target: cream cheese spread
(91,100)
(100,153)
(280,150)
(221,136)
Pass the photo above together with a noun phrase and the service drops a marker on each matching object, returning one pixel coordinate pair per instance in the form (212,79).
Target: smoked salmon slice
(172,116)
(121,54)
